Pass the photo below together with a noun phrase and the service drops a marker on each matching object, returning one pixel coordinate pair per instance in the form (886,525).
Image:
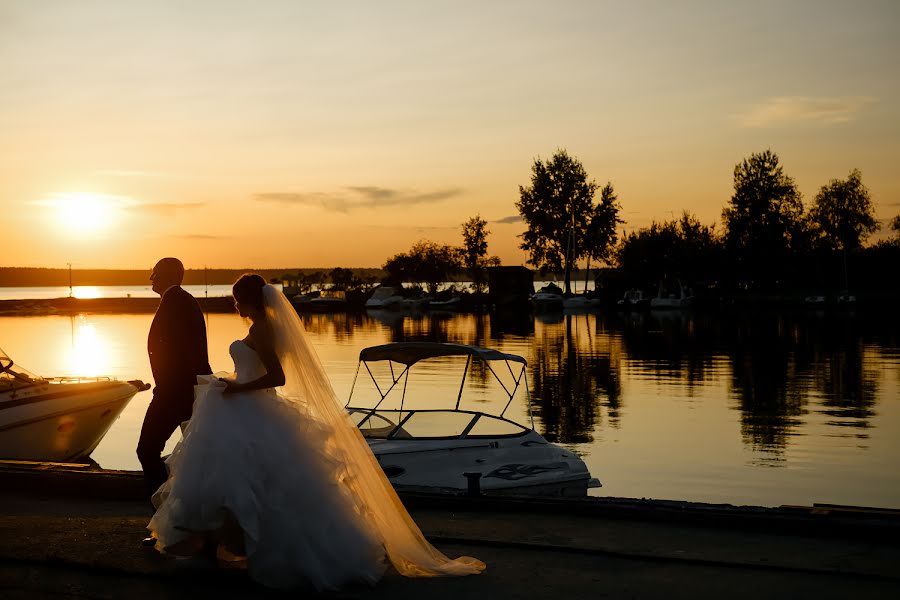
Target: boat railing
(78,379)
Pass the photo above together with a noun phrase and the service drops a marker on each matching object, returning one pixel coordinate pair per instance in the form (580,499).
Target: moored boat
(57,419)
(454,449)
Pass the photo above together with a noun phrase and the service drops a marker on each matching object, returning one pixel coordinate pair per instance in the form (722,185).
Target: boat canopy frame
(410,353)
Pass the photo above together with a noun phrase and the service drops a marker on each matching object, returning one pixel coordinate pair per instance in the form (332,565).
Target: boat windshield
(431,424)
(5,361)
(10,377)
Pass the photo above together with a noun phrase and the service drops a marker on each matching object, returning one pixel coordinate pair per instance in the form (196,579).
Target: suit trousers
(166,412)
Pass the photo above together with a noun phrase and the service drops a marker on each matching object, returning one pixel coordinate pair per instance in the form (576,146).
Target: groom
(177,349)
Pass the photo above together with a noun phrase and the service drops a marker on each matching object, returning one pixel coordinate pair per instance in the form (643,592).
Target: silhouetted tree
(843,212)
(602,237)
(680,248)
(426,262)
(559,211)
(342,279)
(894,225)
(474,251)
(764,222)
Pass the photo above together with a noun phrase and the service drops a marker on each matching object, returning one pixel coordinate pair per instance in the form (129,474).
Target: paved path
(70,548)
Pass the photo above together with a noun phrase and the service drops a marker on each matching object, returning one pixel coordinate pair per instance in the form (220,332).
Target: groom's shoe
(148,542)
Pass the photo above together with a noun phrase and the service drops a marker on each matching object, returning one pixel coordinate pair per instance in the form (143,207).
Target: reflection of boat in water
(451,449)
(57,419)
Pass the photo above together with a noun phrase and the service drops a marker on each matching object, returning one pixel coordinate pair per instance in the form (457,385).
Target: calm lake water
(764,409)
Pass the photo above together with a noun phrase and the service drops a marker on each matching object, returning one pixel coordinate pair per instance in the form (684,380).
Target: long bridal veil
(307,384)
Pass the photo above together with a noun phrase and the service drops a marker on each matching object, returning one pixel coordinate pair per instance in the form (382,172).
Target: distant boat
(679,297)
(454,303)
(385,297)
(57,419)
(634,299)
(328,301)
(548,298)
(582,302)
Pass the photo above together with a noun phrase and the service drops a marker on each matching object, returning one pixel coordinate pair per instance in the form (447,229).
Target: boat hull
(59,421)
(521,465)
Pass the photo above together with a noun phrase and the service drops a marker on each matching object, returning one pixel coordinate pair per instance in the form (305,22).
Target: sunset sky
(288,133)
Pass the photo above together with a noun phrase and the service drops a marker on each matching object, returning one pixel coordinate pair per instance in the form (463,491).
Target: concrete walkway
(62,547)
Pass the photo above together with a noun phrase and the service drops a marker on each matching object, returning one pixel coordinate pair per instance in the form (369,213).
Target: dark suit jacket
(177,347)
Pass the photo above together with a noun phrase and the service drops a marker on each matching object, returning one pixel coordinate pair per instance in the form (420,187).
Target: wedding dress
(293,472)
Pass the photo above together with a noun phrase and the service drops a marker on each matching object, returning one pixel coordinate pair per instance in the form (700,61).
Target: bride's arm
(261,337)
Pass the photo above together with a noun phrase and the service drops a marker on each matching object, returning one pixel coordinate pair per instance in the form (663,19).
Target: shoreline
(74,306)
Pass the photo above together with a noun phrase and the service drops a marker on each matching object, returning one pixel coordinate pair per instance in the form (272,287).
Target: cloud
(804,109)
(354,197)
(164,208)
(509,219)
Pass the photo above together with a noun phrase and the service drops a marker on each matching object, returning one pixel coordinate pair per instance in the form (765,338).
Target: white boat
(455,450)
(548,298)
(328,301)
(672,297)
(581,302)
(385,297)
(57,419)
(452,303)
(634,299)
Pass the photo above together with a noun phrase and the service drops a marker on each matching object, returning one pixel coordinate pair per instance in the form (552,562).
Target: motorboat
(57,419)
(452,303)
(548,298)
(581,302)
(385,297)
(634,299)
(416,302)
(328,301)
(676,296)
(425,444)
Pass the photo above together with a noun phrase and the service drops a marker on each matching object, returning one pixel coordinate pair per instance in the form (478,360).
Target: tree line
(769,241)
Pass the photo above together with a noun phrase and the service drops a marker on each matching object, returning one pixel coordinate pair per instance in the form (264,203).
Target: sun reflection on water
(89,354)
(86,291)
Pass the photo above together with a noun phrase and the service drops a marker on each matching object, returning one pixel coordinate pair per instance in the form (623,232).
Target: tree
(764,221)
(601,230)
(894,225)
(563,222)
(474,251)
(682,248)
(426,262)
(843,212)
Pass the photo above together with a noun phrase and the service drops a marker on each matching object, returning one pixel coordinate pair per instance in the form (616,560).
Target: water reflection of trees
(573,379)
(780,367)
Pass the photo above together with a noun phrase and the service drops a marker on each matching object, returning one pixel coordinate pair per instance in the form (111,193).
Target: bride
(283,480)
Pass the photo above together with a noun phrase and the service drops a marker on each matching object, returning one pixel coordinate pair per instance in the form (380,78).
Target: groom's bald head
(168,272)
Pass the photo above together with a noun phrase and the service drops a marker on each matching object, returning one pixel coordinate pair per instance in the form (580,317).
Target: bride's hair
(248,289)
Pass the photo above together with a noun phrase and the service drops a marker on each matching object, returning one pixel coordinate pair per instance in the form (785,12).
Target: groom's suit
(177,348)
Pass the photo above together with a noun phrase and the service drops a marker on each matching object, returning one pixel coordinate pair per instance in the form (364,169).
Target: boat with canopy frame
(452,449)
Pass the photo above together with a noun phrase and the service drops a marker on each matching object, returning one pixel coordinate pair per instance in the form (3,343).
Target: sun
(83,213)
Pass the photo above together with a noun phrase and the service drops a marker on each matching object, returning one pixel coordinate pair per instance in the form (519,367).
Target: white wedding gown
(261,458)
(295,474)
